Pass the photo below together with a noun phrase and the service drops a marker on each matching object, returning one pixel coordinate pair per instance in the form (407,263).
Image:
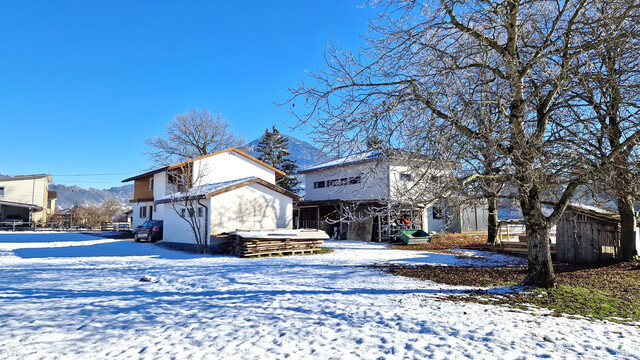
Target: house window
(355,180)
(437,213)
(318,184)
(200,211)
(405,177)
(183,213)
(338,182)
(1,191)
(143,212)
(151,184)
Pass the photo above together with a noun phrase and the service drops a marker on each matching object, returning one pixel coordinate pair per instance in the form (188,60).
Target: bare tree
(192,134)
(415,75)
(605,101)
(186,201)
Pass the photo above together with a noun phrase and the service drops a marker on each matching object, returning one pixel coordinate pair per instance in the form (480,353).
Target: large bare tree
(192,134)
(605,100)
(415,74)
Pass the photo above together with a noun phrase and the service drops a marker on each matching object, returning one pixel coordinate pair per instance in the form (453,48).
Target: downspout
(206,223)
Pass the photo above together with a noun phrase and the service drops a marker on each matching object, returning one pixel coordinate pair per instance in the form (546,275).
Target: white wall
(431,224)
(178,230)
(27,191)
(161,187)
(252,207)
(137,220)
(228,166)
(374,182)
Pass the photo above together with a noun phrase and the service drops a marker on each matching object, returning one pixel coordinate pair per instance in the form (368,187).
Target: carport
(23,210)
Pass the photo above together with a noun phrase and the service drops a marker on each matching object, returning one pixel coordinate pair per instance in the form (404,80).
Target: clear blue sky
(83,83)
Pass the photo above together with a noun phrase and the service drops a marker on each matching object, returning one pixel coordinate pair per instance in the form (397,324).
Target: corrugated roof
(148,173)
(347,160)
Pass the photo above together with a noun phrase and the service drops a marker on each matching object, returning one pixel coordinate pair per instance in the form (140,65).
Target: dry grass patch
(441,242)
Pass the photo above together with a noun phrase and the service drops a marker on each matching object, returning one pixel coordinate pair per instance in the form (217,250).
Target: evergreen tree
(274,150)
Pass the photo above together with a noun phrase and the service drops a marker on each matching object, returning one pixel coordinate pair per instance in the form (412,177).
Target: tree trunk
(492,221)
(540,272)
(628,244)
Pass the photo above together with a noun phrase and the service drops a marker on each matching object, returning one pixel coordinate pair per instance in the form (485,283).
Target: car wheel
(149,238)
(136,238)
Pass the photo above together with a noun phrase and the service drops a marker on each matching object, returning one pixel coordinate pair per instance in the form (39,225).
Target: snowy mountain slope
(69,196)
(302,153)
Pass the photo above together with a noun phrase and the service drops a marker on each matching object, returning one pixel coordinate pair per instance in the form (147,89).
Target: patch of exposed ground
(610,291)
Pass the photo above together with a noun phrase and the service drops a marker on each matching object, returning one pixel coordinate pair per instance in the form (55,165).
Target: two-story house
(383,188)
(233,190)
(27,197)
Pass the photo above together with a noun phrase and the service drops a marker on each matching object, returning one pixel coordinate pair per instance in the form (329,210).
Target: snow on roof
(351,159)
(593,209)
(202,190)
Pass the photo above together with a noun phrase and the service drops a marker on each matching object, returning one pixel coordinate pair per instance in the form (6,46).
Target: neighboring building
(28,197)
(234,191)
(588,234)
(378,188)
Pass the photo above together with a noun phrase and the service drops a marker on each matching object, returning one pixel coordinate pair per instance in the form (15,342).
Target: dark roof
(146,174)
(22,205)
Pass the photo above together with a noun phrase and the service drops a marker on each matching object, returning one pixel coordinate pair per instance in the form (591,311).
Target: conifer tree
(274,150)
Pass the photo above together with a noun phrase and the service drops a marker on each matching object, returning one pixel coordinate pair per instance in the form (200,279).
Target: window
(143,212)
(151,184)
(338,182)
(437,213)
(405,177)
(183,213)
(318,184)
(1,191)
(355,180)
(200,211)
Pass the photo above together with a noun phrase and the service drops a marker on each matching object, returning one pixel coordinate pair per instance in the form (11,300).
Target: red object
(156,228)
(406,221)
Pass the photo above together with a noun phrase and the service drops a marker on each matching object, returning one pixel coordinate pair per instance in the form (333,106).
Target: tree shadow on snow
(117,248)
(35,237)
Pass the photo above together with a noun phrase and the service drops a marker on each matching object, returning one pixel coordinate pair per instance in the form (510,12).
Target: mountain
(302,153)
(69,196)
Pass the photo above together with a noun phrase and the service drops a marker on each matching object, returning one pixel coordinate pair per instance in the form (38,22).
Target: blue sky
(83,83)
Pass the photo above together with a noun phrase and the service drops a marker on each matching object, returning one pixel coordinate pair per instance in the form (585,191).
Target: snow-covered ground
(72,296)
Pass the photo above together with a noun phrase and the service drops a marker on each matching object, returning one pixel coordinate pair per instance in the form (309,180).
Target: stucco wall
(229,166)
(27,191)
(253,207)
(374,182)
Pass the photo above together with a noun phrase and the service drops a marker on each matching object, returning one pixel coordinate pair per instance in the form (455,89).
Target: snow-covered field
(72,296)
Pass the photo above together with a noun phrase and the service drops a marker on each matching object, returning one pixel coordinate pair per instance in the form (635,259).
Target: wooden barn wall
(587,239)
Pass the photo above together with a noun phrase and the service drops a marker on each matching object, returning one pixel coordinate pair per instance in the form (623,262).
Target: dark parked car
(150,231)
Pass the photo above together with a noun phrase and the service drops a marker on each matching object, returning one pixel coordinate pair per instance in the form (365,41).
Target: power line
(104,174)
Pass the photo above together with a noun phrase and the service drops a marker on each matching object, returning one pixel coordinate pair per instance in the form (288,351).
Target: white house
(233,191)
(28,197)
(382,185)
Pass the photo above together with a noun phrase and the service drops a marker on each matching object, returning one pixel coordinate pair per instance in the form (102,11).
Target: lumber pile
(246,244)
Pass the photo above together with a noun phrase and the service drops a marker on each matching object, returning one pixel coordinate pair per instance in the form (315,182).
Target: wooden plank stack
(247,247)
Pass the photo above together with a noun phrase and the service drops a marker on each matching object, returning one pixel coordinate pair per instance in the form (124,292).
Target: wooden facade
(142,191)
(587,236)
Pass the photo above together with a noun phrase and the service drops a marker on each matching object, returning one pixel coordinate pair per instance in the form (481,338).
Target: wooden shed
(588,235)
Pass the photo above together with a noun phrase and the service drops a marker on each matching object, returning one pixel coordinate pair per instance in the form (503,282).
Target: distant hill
(302,153)
(69,196)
